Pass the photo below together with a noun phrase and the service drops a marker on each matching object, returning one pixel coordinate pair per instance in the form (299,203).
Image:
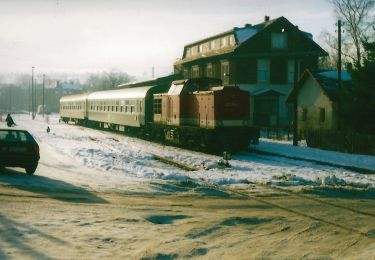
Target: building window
(212,45)
(209,70)
(217,43)
(224,41)
(322,115)
(200,48)
(194,50)
(263,70)
(185,73)
(195,72)
(225,72)
(157,106)
(188,52)
(231,40)
(279,40)
(291,71)
(304,114)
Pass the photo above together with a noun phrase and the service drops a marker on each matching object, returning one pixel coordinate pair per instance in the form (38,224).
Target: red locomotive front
(201,113)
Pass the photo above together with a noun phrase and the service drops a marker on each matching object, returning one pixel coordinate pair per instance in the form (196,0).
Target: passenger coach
(74,108)
(116,109)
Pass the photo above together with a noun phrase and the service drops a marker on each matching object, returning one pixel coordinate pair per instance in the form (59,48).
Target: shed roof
(327,80)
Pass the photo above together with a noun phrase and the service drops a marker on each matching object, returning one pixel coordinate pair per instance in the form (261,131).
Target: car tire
(30,170)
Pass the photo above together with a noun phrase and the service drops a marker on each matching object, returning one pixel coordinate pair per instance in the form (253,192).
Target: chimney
(266,18)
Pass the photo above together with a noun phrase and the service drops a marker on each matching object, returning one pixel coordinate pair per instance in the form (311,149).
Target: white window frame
(291,68)
(225,69)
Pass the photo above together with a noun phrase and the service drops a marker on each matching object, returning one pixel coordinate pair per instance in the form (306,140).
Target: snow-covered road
(116,161)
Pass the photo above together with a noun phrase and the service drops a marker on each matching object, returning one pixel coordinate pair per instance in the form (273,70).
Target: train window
(108,108)
(113,108)
(157,106)
(121,109)
(140,106)
(131,109)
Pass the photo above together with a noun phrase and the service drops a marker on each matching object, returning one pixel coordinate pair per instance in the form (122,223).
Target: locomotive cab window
(157,106)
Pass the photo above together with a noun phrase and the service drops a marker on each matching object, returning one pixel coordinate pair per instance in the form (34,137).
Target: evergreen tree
(358,98)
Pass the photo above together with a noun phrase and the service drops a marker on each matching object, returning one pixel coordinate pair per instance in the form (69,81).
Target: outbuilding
(317,100)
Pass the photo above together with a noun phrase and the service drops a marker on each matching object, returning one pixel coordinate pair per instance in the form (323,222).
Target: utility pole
(339,79)
(295,104)
(44,78)
(32,92)
(29,97)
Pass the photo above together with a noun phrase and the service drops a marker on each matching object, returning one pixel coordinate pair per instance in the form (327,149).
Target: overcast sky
(78,36)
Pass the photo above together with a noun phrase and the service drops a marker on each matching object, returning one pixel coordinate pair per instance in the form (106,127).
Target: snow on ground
(116,159)
(345,159)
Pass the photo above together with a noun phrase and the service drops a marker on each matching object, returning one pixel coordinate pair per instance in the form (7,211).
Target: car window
(13,136)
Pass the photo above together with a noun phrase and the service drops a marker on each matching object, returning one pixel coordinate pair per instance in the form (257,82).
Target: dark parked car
(18,149)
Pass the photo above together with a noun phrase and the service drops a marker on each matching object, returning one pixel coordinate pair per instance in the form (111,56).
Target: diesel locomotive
(200,114)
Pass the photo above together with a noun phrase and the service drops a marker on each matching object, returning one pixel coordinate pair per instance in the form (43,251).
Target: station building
(264,59)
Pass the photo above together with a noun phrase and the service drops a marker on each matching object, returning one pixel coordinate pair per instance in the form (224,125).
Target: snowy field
(103,195)
(126,160)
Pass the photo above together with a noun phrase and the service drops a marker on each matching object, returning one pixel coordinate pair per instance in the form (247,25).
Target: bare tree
(358,18)
(329,43)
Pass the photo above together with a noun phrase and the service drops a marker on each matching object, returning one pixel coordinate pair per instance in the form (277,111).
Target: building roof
(69,86)
(165,80)
(264,91)
(242,35)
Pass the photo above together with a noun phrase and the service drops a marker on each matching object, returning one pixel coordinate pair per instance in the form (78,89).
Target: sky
(89,36)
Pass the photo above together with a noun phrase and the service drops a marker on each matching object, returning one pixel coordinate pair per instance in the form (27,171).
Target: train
(199,114)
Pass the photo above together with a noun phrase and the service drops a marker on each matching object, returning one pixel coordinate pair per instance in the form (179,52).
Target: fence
(276,133)
(341,141)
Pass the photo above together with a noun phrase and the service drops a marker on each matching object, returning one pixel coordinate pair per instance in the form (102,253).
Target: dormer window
(213,45)
(224,42)
(231,40)
(200,48)
(279,40)
(188,52)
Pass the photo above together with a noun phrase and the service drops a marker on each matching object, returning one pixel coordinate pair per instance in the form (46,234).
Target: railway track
(369,234)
